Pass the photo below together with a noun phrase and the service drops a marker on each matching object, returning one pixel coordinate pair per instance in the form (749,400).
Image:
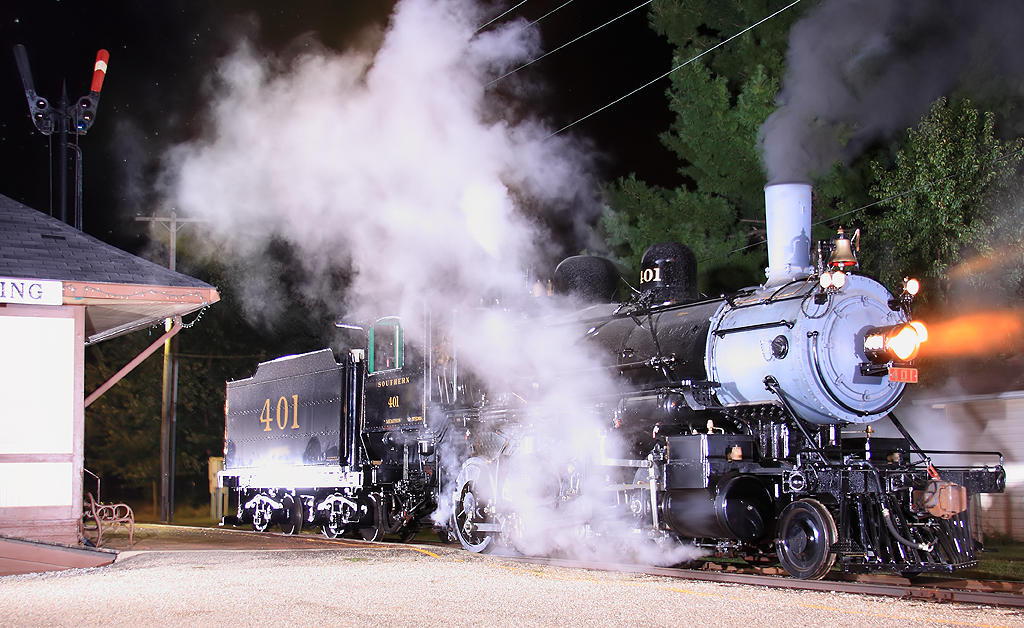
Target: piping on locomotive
(744,423)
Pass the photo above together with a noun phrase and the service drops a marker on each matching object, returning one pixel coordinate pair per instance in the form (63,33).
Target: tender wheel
(371,533)
(332,529)
(471,506)
(340,518)
(371,527)
(292,522)
(337,521)
(806,532)
(262,514)
(409,533)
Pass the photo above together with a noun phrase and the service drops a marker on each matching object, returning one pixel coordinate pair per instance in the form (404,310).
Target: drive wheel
(292,522)
(806,533)
(471,505)
(262,513)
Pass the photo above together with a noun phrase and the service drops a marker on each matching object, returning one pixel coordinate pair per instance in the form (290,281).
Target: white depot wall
(995,423)
(40,421)
(37,371)
(1002,421)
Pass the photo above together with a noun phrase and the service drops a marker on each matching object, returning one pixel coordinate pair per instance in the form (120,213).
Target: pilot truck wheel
(805,535)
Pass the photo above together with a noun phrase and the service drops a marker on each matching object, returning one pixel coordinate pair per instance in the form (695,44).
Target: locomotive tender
(744,424)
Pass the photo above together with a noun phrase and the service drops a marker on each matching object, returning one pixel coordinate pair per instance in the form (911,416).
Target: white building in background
(61,290)
(989,422)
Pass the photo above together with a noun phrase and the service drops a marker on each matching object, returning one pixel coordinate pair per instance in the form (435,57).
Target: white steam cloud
(383,163)
(400,169)
(859,72)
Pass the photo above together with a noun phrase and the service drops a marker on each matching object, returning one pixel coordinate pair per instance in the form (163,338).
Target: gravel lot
(359,584)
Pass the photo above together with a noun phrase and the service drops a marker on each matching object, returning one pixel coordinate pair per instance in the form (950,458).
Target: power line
(500,16)
(681,65)
(594,30)
(923,186)
(559,7)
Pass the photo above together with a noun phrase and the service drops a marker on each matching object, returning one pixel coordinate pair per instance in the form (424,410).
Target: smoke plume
(859,72)
(393,164)
(397,168)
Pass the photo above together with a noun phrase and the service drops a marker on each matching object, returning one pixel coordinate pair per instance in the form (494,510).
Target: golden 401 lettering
(281,414)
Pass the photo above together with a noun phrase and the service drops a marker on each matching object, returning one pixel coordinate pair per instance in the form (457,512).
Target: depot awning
(46,262)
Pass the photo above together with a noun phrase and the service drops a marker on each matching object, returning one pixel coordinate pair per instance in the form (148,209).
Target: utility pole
(169,405)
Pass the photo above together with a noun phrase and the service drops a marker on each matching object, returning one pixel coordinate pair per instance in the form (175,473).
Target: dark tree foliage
(720,102)
(122,427)
(946,184)
(946,198)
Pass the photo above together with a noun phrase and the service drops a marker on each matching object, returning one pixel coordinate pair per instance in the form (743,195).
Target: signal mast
(62,119)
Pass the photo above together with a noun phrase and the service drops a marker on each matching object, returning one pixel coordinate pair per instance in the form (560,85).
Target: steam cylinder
(739,507)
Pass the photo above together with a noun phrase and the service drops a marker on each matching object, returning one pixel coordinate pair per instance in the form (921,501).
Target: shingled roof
(121,291)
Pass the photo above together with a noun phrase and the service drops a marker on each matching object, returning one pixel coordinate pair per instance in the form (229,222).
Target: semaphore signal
(62,119)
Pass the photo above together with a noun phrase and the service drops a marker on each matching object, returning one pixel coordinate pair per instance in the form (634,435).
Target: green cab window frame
(385,345)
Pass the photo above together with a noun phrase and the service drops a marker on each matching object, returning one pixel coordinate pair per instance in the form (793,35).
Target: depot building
(60,291)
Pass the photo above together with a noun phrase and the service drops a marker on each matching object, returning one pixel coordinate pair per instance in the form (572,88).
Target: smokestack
(788,220)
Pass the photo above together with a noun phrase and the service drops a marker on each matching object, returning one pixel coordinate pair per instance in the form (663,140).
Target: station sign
(31,291)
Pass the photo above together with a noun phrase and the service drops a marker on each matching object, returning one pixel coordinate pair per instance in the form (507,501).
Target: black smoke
(861,71)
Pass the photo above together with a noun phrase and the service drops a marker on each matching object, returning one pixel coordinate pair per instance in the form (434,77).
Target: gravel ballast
(359,585)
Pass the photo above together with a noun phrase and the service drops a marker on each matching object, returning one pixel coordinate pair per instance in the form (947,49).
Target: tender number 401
(281,414)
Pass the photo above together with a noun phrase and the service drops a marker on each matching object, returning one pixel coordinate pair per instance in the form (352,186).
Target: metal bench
(104,516)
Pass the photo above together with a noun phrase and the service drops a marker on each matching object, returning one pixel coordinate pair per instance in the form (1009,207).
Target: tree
(720,103)
(942,198)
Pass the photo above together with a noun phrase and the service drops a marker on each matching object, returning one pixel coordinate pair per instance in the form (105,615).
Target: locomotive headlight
(832,281)
(898,343)
(904,343)
(838,279)
(911,286)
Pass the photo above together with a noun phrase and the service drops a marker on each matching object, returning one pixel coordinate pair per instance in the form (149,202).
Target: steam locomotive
(742,424)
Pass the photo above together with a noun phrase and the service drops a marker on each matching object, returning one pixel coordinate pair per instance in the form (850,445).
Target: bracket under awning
(176,326)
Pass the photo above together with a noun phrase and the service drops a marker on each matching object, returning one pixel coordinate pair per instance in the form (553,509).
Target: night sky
(161,51)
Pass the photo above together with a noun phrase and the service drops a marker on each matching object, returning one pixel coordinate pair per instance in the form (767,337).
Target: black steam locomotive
(741,425)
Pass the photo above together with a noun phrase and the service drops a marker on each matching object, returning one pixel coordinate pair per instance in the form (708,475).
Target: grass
(184,515)
(1002,559)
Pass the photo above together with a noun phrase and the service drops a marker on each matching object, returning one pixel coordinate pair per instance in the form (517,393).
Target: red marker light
(99,70)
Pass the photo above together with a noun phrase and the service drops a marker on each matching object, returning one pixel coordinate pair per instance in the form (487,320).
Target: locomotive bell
(668,272)
(843,250)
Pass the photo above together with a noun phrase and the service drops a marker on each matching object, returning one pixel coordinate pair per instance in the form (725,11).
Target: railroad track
(1010,594)
(930,588)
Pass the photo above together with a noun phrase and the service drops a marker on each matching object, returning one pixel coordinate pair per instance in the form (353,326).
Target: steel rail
(916,591)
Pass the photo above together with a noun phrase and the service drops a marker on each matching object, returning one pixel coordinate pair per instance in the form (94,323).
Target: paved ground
(174,579)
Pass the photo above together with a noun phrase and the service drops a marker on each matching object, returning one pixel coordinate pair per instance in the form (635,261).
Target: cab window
(385,350)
